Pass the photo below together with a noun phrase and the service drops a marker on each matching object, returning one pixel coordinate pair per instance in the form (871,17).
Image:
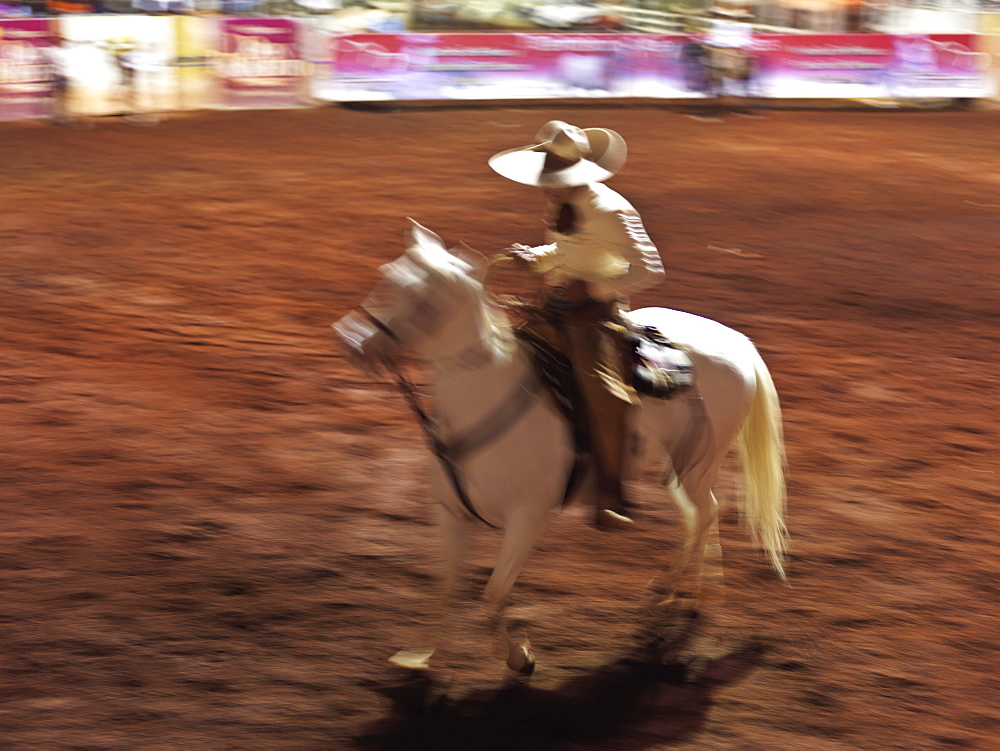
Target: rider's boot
(613,510)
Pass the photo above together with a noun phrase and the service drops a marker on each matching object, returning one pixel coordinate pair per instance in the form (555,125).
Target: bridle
(489,429)
(377,323)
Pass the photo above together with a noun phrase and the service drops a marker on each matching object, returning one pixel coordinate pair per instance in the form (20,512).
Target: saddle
(660,368)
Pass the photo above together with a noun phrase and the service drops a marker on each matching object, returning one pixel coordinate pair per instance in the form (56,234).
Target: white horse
(504,453)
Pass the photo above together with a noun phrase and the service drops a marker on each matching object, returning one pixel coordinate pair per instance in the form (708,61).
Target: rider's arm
(623,231)
(540,258)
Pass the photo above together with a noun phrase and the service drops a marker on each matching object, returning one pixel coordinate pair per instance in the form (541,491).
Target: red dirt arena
(215,531)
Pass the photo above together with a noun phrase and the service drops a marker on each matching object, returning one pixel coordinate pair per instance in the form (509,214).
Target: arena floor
(214,532)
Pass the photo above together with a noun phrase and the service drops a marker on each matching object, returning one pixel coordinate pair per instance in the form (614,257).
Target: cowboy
(597,253)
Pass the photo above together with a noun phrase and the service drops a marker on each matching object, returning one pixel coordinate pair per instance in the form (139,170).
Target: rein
(441,450)
(488,430)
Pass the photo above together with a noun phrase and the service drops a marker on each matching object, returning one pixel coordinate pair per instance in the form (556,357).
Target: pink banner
(259,64)
(26,73)
(539,66)
(871,65)
(502,66)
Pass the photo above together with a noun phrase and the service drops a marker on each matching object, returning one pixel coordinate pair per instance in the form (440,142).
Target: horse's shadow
(627,704)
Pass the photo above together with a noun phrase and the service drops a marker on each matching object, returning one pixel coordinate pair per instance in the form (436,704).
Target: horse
(504,453)
(717,70)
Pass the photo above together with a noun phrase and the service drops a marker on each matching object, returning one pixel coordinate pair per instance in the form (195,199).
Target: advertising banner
(871,65)
(502,66)
(26,71)
(259,64)
(541,66)
(139,65)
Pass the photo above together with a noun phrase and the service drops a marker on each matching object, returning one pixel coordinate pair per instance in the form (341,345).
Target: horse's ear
(477,261)
(418,236)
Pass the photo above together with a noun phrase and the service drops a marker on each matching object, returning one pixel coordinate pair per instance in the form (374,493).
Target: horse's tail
(761,449)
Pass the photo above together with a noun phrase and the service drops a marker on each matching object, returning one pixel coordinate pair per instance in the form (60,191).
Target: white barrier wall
(97,81)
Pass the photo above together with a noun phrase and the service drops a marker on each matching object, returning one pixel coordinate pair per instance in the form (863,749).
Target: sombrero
(566,156)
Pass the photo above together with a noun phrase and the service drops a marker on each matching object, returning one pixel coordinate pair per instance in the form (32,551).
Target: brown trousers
(591,335)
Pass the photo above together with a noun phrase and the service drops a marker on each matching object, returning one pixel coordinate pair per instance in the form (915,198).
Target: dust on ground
(214,531)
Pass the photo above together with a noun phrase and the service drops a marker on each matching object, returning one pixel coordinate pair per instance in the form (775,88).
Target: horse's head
(427,304)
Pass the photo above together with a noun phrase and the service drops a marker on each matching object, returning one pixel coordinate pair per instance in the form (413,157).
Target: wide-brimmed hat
(566,156)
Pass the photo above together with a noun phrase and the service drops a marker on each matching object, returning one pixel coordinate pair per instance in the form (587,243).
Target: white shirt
(725,33)
(61,60)
(608,247)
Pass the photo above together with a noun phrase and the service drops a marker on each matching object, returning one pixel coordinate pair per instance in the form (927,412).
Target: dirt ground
(214,532)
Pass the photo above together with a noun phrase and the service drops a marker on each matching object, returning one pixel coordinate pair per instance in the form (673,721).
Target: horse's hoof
(609,520)
(682,600)
(412,659)
(522,659)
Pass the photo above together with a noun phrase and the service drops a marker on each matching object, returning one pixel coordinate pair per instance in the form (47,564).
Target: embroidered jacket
(607,247)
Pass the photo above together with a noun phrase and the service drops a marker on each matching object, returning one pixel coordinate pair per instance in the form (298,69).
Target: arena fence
(113,64)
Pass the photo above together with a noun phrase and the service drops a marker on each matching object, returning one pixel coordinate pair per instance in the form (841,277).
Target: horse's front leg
(520,537)
(454,542)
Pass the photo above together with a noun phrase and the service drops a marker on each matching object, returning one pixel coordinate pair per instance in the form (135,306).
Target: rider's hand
(522,255)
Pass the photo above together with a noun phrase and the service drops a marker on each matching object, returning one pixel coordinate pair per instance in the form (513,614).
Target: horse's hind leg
(455,535)
(710,575)
(701,581)
(671,618)
(699,513)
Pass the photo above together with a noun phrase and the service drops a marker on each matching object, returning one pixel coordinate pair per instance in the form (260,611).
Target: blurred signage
(483,66)
(8,10)
(163,6)
(538,66)
(70,7)
(259,63)
(872,65)
(26,73)
(239,6)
